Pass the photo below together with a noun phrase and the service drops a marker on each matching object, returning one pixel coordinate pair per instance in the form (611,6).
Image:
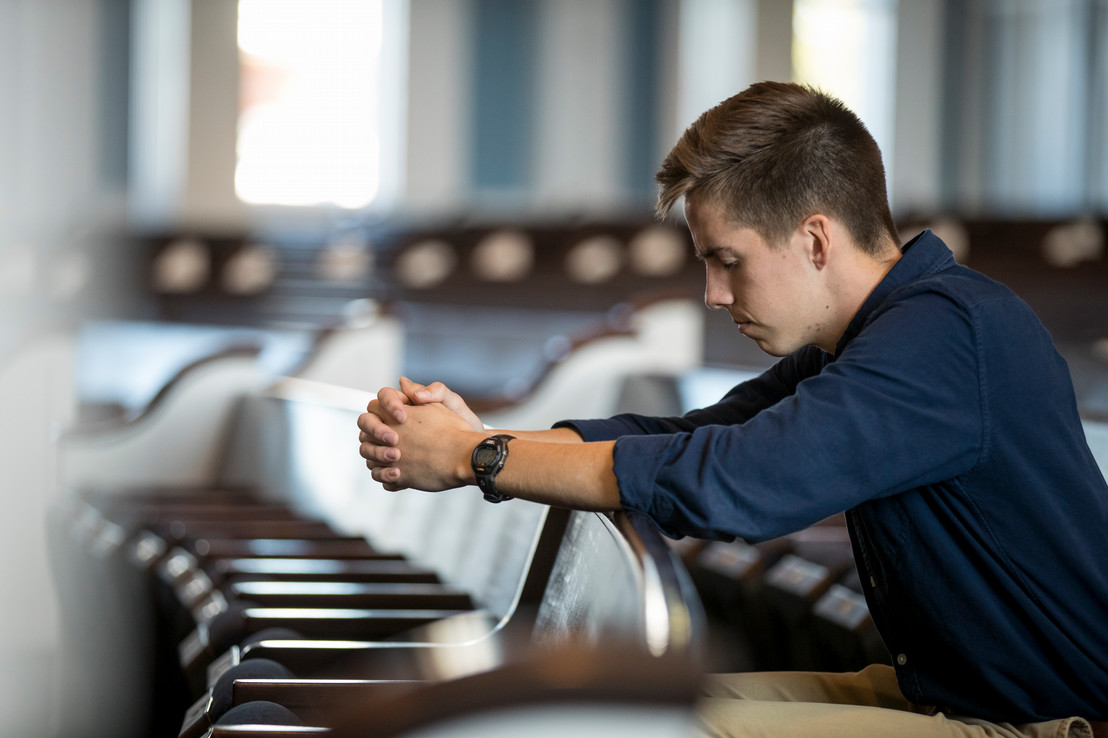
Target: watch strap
(485,473)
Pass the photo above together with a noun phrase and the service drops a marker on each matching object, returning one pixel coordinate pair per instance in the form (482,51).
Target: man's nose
(717,292)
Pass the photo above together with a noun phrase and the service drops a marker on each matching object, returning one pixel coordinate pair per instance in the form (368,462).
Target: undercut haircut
(776,154)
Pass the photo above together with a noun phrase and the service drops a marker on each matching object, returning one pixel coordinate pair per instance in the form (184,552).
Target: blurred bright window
(309,130)
(848,49)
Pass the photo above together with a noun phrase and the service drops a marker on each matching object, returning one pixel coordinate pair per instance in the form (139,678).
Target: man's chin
(769,348)
(773,349)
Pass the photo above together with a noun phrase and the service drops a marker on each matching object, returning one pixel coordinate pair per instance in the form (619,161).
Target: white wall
(51,192)
(917,127)
(579,114)
(213,115)
(438,120)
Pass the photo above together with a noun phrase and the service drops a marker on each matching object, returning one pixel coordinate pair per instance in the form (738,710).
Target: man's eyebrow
(709,252)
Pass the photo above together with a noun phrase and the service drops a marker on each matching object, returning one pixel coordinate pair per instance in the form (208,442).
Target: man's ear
(818,239)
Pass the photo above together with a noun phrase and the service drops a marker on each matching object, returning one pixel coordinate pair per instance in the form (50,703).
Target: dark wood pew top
(372,595)
(442,649)
(340,547)
(244,527)
(264,731)
(341,623)
(230,570)
(317,701)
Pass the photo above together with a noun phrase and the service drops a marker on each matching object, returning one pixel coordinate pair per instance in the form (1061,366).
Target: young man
(921,398)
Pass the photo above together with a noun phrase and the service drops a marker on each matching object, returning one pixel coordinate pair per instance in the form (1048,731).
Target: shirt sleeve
(741,403)
(900,408)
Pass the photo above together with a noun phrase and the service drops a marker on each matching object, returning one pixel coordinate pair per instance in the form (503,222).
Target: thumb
(421,394)
(414,391)
(454,402)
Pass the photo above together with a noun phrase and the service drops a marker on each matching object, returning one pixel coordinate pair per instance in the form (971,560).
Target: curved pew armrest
(674,617)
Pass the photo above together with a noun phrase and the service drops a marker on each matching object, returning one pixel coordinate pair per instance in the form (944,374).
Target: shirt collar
(923,256)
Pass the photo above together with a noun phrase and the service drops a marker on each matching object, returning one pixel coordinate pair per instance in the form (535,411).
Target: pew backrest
(297,441)
(226,425)
(366,354)
(178,440)
(605,579)
(666,339)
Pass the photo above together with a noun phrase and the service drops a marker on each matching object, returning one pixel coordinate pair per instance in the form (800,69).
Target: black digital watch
(488,459)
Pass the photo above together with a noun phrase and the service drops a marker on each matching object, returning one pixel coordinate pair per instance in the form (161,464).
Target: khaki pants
(823,705)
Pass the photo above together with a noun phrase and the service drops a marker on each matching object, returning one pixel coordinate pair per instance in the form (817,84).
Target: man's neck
(858,278)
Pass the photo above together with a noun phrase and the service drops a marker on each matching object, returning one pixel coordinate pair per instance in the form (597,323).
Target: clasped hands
(419,436)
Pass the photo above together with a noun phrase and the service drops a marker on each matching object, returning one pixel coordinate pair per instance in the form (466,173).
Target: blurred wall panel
(440,87)
(50,192)
(718,53)
(581,82)
(159,109)
(505,91)
(213,95)
(915,183)
(1025,107)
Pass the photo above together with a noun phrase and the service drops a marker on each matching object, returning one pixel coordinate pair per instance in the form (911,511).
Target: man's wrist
(463,458)
(489,457)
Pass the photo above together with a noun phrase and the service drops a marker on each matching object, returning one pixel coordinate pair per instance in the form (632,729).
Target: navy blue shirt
(945,424)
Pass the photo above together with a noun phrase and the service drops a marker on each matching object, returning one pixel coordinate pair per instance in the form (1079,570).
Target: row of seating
(794,602)
(417,260)
(255,596)
(588,378)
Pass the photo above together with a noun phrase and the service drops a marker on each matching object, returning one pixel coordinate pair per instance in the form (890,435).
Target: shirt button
(902,659)
(872,581)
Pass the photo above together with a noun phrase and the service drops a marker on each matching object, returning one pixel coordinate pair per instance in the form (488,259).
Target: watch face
(484,455)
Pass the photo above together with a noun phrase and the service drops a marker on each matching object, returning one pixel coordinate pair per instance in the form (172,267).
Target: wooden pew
(573,690)
(593,539)
(517,526)
(200,437)
(658,337)
(615,587)
(661,335)
(729,578)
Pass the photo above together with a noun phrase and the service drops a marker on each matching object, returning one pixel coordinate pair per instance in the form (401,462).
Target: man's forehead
(726,238)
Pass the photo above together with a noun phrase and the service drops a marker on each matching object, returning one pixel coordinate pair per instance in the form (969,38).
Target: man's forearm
(575,475)
(550,471)
(556,467)
(566,474)
(553,435)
